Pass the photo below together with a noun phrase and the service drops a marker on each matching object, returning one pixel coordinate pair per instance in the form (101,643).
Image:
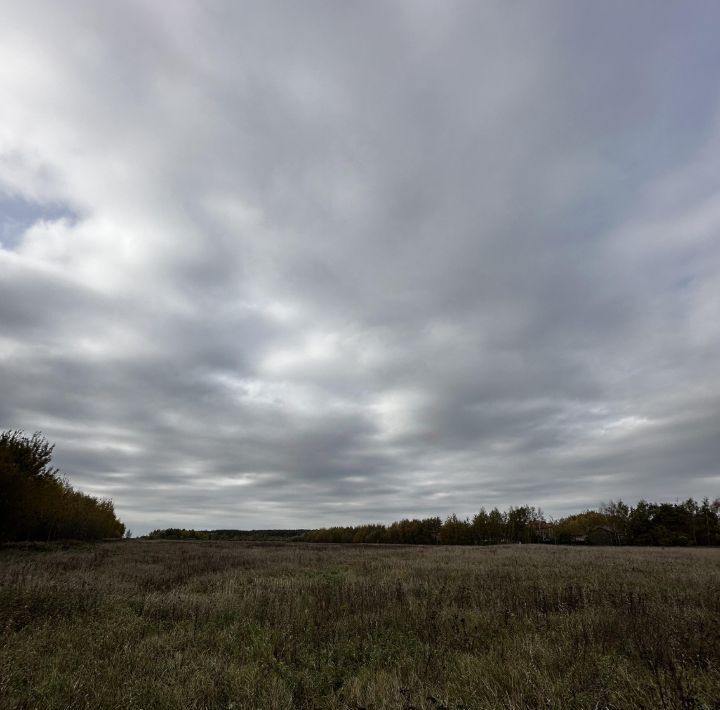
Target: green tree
(496,526)
(480,527)
(37,503)
(456,532)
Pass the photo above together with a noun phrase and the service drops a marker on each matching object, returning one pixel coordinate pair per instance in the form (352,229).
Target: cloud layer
(281,264)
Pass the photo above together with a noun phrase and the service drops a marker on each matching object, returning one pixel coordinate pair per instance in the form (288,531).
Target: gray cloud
(289,265)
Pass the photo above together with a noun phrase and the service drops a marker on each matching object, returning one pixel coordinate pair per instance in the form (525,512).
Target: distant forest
(246,535)
(666,524)
(37,503)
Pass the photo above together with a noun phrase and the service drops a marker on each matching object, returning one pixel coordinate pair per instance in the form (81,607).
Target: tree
(456,532)
(37,503)
(480,527)
(519,523)
(24,468)
(496,525)
(709,514)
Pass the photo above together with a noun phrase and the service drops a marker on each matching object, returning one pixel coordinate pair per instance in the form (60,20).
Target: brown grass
(150,624)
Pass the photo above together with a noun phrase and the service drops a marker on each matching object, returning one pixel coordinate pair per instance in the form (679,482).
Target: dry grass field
(151,624)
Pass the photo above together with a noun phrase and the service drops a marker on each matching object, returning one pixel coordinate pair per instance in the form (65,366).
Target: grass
(153,624)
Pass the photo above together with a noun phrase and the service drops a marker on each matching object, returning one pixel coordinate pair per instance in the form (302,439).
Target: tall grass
(154,624)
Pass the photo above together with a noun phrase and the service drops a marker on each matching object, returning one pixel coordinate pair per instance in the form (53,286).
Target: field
(153,624)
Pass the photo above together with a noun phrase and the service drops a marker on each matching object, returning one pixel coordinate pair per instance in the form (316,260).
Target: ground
(155,624)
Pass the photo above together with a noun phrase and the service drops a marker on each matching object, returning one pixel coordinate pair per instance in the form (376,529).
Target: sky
(281,264)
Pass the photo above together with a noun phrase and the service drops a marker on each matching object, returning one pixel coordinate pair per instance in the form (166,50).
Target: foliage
(209,625)
(246,535)
(664,524)
(37,503)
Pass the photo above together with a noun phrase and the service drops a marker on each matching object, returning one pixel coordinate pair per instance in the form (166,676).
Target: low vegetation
(158,624)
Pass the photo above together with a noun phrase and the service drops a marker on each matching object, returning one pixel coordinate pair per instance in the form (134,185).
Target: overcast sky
(278,264)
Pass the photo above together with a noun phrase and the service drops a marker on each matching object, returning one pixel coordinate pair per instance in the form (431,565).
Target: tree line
(246,535)
(666,524)
(38,503)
